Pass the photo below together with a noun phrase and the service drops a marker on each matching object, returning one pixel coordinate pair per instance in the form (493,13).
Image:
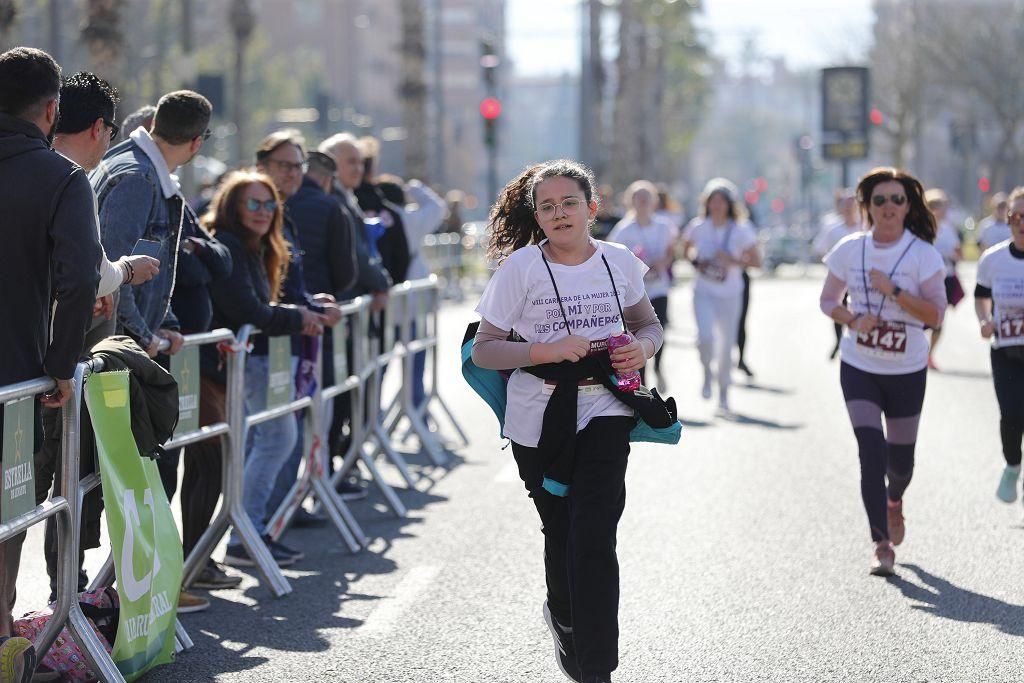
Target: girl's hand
(864,323)
(629,357)
(572,348)
(881,281)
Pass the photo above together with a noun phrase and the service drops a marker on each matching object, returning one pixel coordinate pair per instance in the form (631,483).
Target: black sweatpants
(1008,377)
(580,564)
(741,335)
(885,455)
(660,305)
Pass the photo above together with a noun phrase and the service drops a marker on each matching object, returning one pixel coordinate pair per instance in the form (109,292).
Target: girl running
(653,240)
(724,245)
(895,280)
(565,294)
(948,242)
(999,303)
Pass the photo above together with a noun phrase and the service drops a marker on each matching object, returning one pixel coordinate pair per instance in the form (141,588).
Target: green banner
(19,445)
(143,536)
(279,377)
(185,368)
(340,357)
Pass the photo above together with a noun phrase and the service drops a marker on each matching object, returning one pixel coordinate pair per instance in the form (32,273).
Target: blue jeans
(419,366)
(289,473)
(268,446)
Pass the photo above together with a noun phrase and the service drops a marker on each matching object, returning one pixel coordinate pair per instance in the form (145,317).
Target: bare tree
(898,76)
(242,21)
(592,79)
(8,14)
(413,88)
(101,32)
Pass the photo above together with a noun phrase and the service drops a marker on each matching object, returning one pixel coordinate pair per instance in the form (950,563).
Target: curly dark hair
(85,97)
(919,221)
(512,221)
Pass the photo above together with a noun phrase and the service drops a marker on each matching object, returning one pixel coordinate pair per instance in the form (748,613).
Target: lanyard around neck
(558,296)
(864,271)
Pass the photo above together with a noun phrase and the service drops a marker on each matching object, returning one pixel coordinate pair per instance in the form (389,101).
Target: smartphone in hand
(147,248)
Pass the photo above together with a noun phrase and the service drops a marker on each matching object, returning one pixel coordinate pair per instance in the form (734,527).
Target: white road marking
(415,582)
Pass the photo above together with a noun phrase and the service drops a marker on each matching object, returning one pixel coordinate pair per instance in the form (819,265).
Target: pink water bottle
(629,381)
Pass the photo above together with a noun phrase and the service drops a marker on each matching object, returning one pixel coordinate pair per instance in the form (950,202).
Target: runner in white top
(947,241)
(849,222)
(999,304)
(720,244)
(653,240)
(561,290)
(894,277)
(993,229)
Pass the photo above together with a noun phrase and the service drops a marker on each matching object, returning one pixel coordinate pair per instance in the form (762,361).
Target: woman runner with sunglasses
(895,280)
(565,294)
(724,244)
(999,303)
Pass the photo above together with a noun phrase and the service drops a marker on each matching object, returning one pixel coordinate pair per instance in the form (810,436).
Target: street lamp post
(242,21)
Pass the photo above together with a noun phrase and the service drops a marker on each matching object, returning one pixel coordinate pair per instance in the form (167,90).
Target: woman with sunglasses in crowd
(999,303)
(566,293)
(894,276)
(653,239)
(720,244)
(246,216)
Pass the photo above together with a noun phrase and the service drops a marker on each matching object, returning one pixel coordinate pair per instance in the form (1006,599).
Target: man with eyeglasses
(139,198)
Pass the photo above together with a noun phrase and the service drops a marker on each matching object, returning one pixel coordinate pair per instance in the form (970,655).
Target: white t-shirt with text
(650,243)
(1003,273)
(734,238)
(991,232)
(520,296)
(899,346)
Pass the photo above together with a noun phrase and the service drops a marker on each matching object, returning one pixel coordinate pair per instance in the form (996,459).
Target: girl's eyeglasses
(881,199)
(570,206)
(255,205)
(1014,217)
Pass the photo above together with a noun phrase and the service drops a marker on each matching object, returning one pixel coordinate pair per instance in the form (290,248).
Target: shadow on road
(741,419)
(239,622)
(964,374)
(943,599)
(754,386)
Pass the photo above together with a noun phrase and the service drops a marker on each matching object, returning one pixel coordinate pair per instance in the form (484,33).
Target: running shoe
(351,489)
(213,577)
(565,649)
(897,530)
(17,659)
(884,559)
(303,519)
(1007,491)
(188,603)
(706,390)
(745,370)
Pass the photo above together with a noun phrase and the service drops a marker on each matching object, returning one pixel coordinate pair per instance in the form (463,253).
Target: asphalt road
(744,550)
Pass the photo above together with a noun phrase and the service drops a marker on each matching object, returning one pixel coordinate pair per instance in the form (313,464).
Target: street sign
(837,151)
(845,112)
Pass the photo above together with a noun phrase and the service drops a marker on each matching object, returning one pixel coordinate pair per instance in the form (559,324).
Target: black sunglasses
(881,199)
(206,135)
(114,128)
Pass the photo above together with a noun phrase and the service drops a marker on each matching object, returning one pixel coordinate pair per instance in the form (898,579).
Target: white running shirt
(1003,273)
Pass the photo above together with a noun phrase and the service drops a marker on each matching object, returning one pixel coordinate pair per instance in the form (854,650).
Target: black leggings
(580,564)
(1008,377)
(889,454)
(741,336)
(660,305)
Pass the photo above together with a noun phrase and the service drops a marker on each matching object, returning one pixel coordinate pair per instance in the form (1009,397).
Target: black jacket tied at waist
(557,445)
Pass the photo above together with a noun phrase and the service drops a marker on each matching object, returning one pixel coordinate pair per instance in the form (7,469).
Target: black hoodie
(49,256)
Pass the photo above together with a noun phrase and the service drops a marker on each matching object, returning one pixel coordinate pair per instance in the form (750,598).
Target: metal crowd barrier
(409,325)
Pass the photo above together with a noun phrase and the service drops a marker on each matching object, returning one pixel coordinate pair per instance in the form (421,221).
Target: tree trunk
(102,35)
(8,15)
(413,89)
(591,152)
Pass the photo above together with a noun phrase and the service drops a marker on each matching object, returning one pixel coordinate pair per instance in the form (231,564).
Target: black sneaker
(278,547)
(565,649)
(597,678)
(235,556)
(303,519)
(213,577)
(351,489)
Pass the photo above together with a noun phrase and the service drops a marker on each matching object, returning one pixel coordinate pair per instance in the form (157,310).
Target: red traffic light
(490,108)
(876,116)
(983,184)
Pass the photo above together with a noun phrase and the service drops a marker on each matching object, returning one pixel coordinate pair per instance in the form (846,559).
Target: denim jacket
(137,199)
